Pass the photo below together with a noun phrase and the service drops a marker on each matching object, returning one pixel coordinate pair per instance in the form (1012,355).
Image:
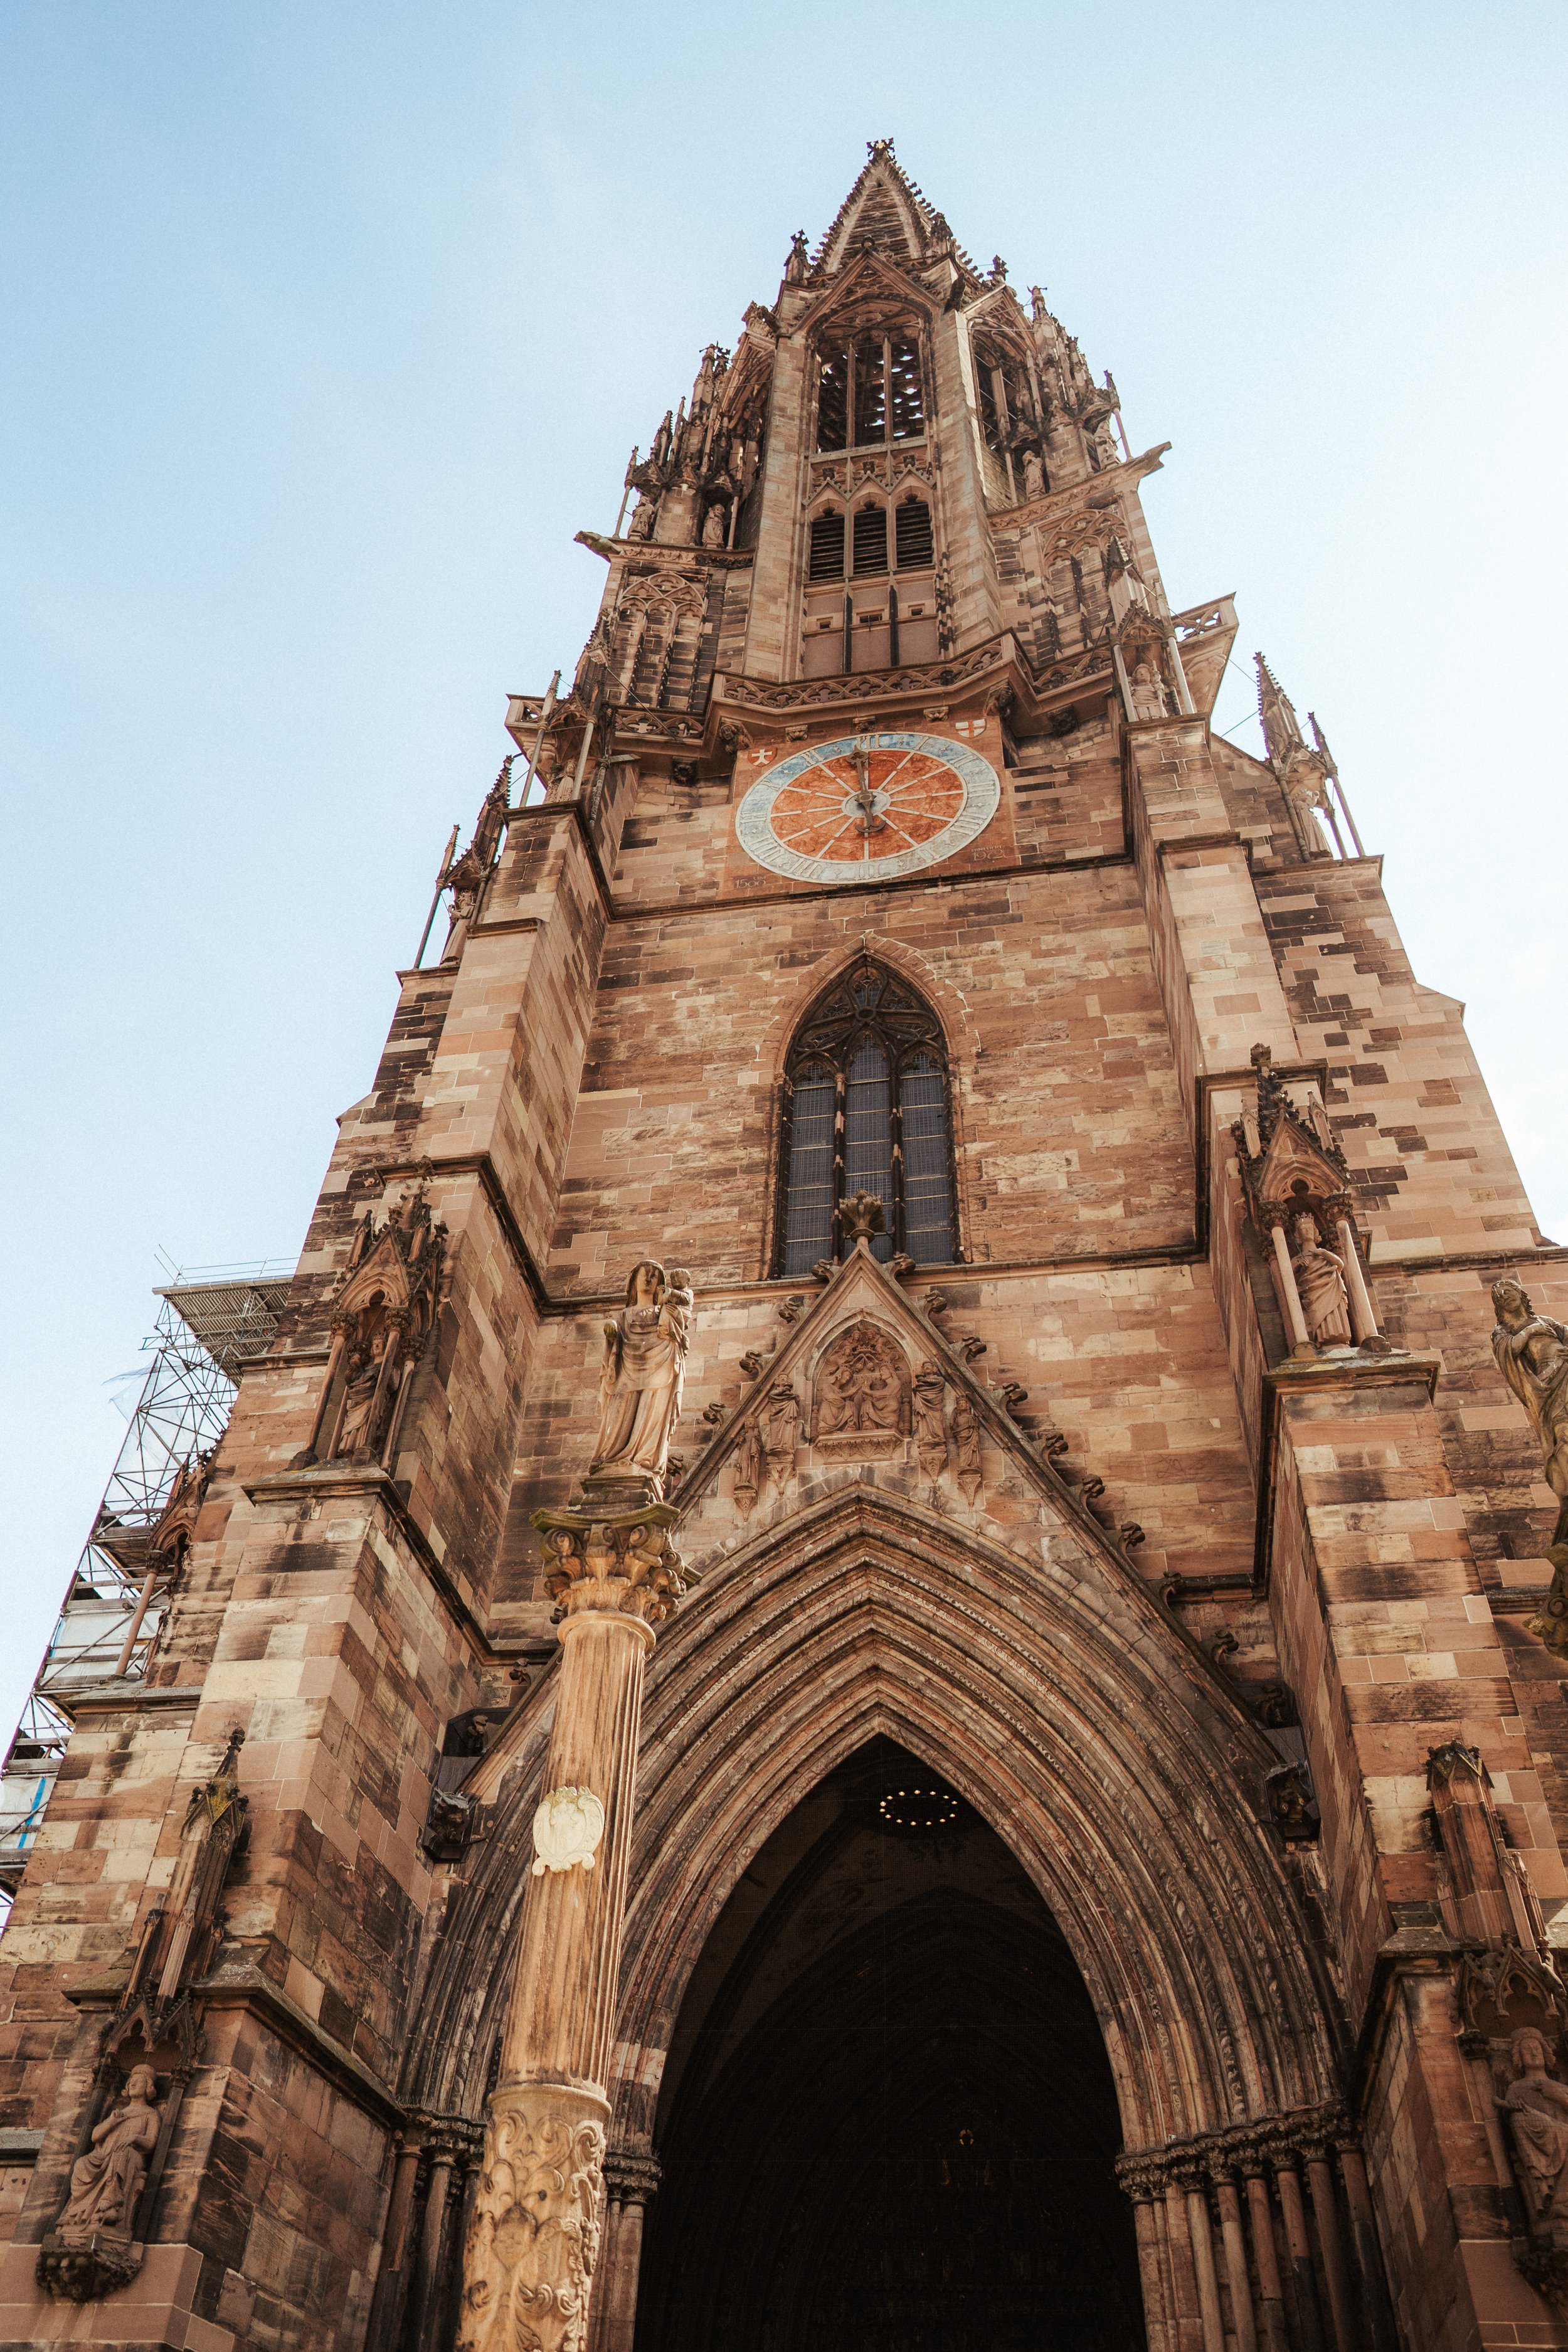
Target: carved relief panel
(860,1407)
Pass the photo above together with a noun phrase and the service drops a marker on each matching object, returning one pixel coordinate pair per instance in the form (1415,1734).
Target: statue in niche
(1532,1352)
(1536,2105)
(107,2180)
(366,1355)
(644,1367)
(716,525)
(862,1395)
(751,1468)
(780,1426)
(644,516)
(930,1421)
(966,1445)
(1321,1280)
(1148,689)
(1034,474)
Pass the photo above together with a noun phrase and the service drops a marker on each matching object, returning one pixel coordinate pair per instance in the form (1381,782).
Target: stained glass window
(866,1110)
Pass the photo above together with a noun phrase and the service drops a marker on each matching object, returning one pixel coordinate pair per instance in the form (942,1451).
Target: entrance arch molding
(1056,1701)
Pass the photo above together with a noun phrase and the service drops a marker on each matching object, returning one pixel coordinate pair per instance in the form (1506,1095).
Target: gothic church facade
(879,1661)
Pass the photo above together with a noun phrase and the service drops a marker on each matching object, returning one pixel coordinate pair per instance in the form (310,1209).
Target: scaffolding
(208,1329)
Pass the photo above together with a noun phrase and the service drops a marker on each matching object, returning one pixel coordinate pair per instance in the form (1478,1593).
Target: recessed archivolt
(1059,1706)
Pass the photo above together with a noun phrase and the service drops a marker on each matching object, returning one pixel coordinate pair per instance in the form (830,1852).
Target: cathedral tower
(923,1220)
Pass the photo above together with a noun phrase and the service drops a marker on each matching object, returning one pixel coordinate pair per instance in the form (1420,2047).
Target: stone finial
(864,1216)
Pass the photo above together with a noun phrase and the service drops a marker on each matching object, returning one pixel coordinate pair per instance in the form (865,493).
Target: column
(1242,2320)
(1289,1297)
(1300,2247)
(630,2180)
(1266,2254)
(1186,2316)
(529,2257)
(1363,1319)
(1203,2263)
(1363,2230)
(1325,2213)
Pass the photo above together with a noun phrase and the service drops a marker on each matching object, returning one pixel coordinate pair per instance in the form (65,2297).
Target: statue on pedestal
(1532,1352)
(644,1364)
(1321,1280)
(90,2252)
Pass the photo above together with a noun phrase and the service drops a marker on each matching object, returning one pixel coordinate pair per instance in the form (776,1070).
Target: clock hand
(865,798)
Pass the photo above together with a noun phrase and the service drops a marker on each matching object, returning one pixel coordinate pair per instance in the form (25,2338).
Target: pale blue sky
(323,327)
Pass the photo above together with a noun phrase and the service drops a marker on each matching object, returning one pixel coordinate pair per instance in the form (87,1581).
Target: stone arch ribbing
(1061,1709)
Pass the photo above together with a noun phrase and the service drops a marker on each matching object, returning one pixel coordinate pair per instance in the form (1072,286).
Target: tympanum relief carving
(861,1397)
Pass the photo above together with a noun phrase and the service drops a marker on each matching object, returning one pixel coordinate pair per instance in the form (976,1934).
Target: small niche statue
(1321,1280)
(89,2251)
(644,1367)
(1532,1352)
(1535,2105)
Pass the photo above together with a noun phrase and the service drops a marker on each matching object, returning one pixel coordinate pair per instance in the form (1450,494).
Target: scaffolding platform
(208,1330)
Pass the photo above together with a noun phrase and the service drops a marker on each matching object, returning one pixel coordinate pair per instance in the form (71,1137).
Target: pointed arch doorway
(886,2121)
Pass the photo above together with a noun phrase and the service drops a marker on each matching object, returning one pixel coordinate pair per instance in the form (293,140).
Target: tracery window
(865,1109)
(873,385)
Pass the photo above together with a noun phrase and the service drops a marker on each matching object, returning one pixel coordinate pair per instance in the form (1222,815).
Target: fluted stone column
(529,2262)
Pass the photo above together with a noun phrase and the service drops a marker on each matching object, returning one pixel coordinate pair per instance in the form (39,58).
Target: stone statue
(355,1434)
(1321,1281)
(644,516)
(931,1423)
(1536,2105)
(1148,690)
(1034,474)
(781,1429)
(716,525)
(966,1444)
(1531,1353)
(107,2180)
(751,1467)
(644,1364)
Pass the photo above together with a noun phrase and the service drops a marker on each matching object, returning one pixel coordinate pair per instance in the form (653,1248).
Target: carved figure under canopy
(862,1387)
(644,1365)
(966,1443)
(1532,1352)
(931,1423)
(1536,2105)
(107,2180)
(1321,1281)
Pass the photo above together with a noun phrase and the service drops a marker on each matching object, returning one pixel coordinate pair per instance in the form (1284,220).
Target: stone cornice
(661,556)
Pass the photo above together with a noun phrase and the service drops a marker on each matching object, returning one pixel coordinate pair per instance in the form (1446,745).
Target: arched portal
(888,2120)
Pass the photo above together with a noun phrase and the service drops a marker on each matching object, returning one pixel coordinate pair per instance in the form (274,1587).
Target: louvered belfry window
(870,392)
(865,1109)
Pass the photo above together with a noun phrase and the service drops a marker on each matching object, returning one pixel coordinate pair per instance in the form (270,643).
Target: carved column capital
(632,2179)
(622,1564)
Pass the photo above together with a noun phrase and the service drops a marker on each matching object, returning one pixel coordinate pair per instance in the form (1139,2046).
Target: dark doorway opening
(887,2122)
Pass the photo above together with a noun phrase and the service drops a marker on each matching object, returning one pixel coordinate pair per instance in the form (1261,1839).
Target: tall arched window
(866,1110)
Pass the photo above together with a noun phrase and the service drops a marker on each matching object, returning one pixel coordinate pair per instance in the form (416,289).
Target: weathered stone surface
(1181,1600)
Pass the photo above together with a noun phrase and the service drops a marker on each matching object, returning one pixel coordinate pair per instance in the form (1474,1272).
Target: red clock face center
(877,806)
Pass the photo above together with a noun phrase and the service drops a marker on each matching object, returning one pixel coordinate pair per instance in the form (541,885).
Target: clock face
(868,808)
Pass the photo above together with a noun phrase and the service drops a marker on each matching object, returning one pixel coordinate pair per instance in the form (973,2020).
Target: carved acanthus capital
(623,1565)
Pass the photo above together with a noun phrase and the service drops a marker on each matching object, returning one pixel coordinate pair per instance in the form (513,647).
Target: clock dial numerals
(868,806)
